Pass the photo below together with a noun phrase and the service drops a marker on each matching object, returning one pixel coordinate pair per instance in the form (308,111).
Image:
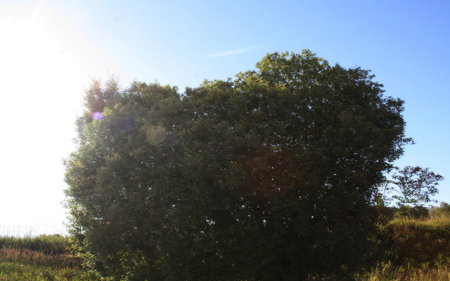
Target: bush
(408,212)
(266,177)
(442,211)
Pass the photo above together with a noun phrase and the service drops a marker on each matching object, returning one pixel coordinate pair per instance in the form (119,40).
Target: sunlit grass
(47,257)
(387,272)
(421,251)
(40,258)
(420,242)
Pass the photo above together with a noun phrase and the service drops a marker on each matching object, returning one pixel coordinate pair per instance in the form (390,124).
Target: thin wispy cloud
(233,52)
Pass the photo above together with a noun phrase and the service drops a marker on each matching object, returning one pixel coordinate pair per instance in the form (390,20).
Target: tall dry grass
(419,242)
(411,250)
(389,272)
(40,258)
(48,244)
(31,257)
(408,250)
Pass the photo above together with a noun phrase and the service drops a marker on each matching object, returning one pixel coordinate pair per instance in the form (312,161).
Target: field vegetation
(41,258)
(411,244)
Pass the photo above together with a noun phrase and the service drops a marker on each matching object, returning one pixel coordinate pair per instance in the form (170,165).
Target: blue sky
(50,48)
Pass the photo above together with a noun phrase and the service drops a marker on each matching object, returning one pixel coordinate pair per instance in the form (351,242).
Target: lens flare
(97,115)
(156,134)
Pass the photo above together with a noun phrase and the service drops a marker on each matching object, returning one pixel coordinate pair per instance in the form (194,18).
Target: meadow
(411,249)
(40,258)
(406,249)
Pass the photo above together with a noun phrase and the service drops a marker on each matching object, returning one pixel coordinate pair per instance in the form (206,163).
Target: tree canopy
(268,176)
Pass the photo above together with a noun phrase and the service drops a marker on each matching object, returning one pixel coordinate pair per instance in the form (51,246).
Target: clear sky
(49,48)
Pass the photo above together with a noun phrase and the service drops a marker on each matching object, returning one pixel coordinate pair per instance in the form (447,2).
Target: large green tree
(269,176)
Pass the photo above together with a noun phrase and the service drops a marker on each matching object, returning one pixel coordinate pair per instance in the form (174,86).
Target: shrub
(408,212)
(442,211)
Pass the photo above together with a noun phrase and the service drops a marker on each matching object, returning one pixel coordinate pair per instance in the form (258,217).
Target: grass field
(40,258)
(419,249)
(387,272)
(422,253)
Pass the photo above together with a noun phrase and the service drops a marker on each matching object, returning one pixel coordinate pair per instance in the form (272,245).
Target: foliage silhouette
(269,176)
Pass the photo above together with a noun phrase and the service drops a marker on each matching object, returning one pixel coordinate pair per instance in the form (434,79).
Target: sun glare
(42,75)
(46,58)
(31,54)
(44,50)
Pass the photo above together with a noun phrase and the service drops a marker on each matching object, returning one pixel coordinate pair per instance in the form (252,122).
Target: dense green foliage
(269,176)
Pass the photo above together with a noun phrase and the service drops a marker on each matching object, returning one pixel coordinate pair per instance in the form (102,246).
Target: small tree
(414,186)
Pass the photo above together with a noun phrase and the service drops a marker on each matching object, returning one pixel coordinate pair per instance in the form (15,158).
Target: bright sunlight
(44,64)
